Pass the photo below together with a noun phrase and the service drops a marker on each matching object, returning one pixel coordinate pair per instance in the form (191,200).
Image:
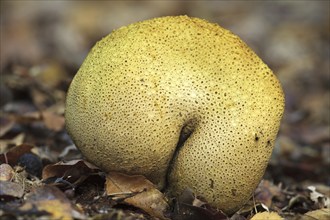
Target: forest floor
(44,176)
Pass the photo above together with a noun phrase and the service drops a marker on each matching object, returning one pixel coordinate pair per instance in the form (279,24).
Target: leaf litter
(62,184)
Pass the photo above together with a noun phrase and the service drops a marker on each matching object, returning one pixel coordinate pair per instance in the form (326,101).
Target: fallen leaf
(53,121)
(48,117)
(6,172)
(319,187)
(136,190)
(237,216)
(51,200)
(266,216)
(17,140)
(266,191)
(189,207)
(320,214)
(70,151)
(190,212)
(298,203)
(11,189)
(6,95)
(11,157)
(40,96)
(250,207)
(49,75)
(6,123)
(319,199)
(70,173)
(27,117)
(316,135)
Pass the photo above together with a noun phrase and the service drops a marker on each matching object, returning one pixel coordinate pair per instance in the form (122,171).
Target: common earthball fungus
(181,101)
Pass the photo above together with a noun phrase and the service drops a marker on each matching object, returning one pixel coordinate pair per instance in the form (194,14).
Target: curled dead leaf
(137,191)
(71,173)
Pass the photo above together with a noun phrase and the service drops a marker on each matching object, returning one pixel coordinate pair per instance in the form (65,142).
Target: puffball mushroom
(181,101)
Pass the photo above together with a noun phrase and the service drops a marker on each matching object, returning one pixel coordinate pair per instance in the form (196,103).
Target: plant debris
(44,176)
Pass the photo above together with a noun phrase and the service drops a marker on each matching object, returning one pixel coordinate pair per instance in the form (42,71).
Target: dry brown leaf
(6,95)
(320,214)
(51,200)
(11,189)
(14,153)
(56,208)
(6,172)
(266,191)
(39,97)
(190,207)
(49,75)
(137,191)
(60,168)
(316,135)
(266,216)
(17,140)
(27,118)
(250,207)
(53,121)
(70,173)
(6,123)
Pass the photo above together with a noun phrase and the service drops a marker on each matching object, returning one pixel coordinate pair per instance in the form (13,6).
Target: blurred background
(43,43)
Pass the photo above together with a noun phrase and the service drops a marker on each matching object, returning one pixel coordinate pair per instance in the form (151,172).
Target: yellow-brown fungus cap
(146,85)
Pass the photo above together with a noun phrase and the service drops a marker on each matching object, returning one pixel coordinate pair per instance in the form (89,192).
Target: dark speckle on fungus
(256,137)
(179,100)
(211,183)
